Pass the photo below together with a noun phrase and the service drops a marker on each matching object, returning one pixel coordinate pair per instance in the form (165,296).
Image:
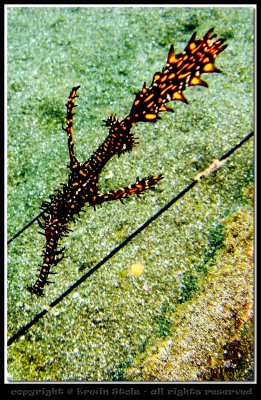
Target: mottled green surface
(96,332)
(222,307)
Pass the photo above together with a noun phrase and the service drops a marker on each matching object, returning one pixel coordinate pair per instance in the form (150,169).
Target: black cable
(99,264)
(231,151)
(121,245)
(25,227)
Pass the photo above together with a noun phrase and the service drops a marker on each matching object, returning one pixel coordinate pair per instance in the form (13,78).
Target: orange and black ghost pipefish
(181,71)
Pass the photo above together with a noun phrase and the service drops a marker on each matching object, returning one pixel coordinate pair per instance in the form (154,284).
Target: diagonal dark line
(231,151)
(100,263)
(25,227)
(119,247)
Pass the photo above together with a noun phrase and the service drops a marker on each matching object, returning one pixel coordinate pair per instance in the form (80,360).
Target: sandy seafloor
(187,310)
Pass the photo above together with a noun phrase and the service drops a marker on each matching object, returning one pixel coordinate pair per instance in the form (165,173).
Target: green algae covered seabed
(176,304)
